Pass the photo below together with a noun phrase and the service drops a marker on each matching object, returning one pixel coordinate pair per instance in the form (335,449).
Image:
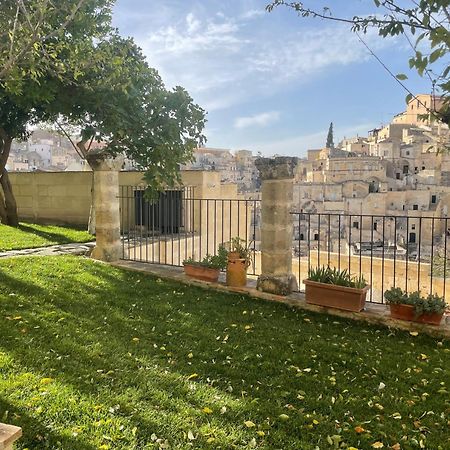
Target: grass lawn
(32,236)
(93,357)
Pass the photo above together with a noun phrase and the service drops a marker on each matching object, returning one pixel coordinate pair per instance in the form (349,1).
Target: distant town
(394,169)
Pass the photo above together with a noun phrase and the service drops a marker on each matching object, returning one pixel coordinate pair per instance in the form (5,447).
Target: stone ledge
(374,313)
(8,435)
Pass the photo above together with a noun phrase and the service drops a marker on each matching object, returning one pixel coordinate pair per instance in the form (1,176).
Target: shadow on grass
(12,286)
(57,238)
(126,339)
(36,434)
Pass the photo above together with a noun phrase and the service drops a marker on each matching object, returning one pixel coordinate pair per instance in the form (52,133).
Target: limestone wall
(65,197)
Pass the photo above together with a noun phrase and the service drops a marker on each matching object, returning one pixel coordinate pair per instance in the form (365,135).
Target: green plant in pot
(207,269)
(333,288)
(414,307)
(240,256)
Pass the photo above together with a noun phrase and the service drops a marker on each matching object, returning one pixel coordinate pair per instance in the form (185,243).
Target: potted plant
(239,260)
(208,269)
(335,289)
(415,308)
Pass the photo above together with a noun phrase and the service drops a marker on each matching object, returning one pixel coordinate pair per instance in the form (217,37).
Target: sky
(271,82)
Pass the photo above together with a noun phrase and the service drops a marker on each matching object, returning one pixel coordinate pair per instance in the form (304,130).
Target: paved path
(61,249)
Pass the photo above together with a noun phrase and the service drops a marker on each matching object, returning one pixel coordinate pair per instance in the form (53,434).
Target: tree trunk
(3,215)
(91,224)
(84,151)
(8,208)
(10,201)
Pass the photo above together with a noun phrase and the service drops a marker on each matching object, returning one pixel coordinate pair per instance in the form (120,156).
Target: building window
(415,207)
(356,225)
(403,207)
(316,236)
(412,238)
(433,199)
(302,237)
(413,226)
(407,152)
(405,169)
(397,175)
(423,167)
(375,226)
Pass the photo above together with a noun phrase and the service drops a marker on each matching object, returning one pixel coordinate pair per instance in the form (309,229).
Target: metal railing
(178,225)
(407,251)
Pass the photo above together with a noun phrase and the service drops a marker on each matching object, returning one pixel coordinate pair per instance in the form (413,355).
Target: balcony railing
(409,251)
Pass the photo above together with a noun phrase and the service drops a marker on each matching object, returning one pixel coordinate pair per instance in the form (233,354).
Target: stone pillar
(277,176)
(8,435)
(107,205)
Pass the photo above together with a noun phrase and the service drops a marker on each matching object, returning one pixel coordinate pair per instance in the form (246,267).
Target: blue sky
(271,82)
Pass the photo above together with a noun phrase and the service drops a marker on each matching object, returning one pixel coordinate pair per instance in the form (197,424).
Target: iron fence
(179,225)
(406,251)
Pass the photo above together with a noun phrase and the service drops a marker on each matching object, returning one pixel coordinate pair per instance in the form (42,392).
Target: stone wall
(65,197)
(58,197)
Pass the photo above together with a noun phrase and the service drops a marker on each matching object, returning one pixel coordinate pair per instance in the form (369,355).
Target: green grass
(32,236)
(93,357)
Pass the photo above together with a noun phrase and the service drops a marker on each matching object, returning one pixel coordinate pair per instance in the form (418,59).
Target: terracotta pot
(332,296)
(201,273)
(406,312)
(237,272)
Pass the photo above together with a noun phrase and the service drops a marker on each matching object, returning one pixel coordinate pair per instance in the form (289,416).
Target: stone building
(238,168)
(418,110)
(388,191)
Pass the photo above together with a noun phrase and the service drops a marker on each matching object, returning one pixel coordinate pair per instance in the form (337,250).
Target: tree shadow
(37,435)
(132,340)
(57,238)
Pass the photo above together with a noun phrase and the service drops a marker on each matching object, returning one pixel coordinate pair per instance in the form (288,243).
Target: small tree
(101,84)
(330,139)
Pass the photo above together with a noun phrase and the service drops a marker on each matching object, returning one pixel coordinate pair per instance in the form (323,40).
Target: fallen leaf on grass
(249,424)
(207,410)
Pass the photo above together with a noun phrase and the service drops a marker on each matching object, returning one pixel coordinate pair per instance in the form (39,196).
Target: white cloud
(308,53)
(253,14)
(258,120)
(193,24)
(222,64)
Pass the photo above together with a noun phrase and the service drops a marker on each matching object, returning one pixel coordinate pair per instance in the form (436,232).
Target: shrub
(432,304)
(242,247)
(218,261)
(328,275)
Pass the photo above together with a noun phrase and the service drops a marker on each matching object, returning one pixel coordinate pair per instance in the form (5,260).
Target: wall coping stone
(278,168)
(101,160)
(8,435)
